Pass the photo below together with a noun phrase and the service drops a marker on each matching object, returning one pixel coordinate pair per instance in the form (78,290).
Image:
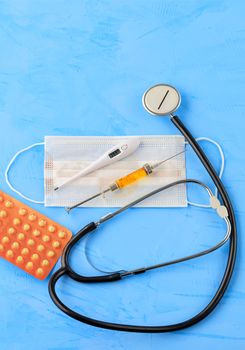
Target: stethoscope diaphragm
(161,99)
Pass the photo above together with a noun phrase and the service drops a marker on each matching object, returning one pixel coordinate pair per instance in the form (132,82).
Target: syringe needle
(165,160)
(68,209)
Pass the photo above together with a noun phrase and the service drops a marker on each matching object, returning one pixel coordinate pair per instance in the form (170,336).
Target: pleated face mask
(68,155)
(65,156)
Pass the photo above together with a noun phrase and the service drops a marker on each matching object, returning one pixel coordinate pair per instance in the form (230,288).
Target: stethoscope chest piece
(161,99)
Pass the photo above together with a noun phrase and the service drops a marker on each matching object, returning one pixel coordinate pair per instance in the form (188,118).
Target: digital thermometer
(111,156)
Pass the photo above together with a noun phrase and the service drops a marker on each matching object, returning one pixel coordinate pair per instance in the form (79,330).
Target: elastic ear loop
(222,166)
(9,166)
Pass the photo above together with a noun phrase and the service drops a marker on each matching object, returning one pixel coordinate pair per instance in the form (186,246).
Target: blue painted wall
(79,67)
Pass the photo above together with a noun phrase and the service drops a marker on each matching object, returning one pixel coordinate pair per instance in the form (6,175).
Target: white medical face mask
(67,155)
(64,156)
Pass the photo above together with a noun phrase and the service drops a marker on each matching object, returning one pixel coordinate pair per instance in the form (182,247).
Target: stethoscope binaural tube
(65,269)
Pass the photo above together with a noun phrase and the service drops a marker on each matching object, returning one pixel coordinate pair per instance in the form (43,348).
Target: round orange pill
(56,244)
(51,228)
(32,217)
(3,213)
(39,271)
(21,236)
(34,257)
(26,227)
(61,234)
(45,262)
(1,248)
(16,221)
(31,242)
(22,211)
(50,254)
(36,233)
(9,204)
(9,253)
(46,238)
(40,247)
(29,265)
(5,239)
(25,251)
(19,259)
(15,245)
(42,223)
(11,230)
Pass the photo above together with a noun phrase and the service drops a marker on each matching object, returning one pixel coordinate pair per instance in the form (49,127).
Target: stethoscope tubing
(66,270)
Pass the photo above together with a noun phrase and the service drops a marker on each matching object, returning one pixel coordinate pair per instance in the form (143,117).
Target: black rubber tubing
(80,278)
(166,328)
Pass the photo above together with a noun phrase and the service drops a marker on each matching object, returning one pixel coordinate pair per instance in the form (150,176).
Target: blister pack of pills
(28,239)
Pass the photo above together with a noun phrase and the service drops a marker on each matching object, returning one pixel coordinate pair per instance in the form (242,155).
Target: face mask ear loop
(222,166)
(9,166)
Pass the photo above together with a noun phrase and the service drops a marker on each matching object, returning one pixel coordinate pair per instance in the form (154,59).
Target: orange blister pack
(29,239)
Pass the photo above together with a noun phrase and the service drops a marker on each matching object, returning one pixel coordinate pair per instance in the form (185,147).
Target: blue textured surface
(80,68)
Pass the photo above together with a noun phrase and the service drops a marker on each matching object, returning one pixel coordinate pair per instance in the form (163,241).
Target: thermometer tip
(56,188)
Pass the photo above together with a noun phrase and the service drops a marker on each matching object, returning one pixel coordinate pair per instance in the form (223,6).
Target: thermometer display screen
(114,153)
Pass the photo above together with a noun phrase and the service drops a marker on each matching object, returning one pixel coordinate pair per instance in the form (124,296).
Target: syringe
(145,170)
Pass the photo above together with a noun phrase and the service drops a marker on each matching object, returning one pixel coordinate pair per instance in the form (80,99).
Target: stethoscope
(160,100)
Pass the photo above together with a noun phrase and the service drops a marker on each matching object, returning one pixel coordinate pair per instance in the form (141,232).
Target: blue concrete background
(79,67)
